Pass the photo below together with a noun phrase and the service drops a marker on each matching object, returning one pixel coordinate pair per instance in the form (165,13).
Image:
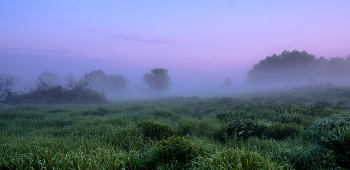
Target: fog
(25,68)
(201,44)
(185,82)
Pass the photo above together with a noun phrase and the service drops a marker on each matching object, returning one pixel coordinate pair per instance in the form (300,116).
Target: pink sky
(218,39)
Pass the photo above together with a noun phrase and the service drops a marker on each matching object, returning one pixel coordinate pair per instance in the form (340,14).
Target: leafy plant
(175,150)
(101,111)
(241,128)
(279,130)
(337,144)
(165,114)
(155,130)
(188,127)
(330,123)
(294,118)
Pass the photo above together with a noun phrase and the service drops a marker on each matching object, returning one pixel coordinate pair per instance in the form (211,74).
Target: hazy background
(200,42)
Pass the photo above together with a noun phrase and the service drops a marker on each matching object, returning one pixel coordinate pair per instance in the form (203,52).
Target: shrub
(328,112)
(174,150)
(101,111)
(155,130)
(21,115)
(337,144)
(294,118)
(165,114)
(116,121)
(188,127)
(330,123)
(236,159)
(279,130)
(224,116)
(51,111)
(241,128)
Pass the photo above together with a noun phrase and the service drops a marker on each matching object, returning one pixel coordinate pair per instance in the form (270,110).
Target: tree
(5,90)
(47,80)
(78,86)
(297,67)
(102,81)
(227,83)
(158,80)
(70,81)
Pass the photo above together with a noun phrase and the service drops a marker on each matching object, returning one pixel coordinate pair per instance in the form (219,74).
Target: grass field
(304,128)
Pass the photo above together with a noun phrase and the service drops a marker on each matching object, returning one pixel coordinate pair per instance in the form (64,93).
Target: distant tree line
(296,65)
(90,88)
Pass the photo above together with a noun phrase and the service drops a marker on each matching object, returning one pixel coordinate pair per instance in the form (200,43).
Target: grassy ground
(304,128)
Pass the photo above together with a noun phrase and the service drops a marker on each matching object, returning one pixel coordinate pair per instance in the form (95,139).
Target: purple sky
(199,40)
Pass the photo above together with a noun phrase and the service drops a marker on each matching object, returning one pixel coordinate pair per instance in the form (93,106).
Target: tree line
(91,87)
(296,65)
(286,67)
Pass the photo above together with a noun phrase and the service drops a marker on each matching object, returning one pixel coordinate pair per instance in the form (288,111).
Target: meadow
(299,128)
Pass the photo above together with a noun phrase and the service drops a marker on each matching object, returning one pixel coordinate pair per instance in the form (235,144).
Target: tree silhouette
(296,65)
(158,80)
(47,80)
(102,81)
(227,83)
(5,89)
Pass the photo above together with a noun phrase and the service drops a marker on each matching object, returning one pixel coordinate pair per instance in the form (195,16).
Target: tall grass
(177,133)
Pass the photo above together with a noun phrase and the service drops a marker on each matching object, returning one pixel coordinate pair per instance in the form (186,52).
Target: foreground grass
(177,133)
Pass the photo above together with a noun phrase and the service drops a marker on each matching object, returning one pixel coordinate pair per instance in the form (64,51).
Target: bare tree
(70,81)
(47,80)
(5,89)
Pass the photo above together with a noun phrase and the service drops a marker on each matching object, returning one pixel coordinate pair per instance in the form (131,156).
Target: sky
(198,41)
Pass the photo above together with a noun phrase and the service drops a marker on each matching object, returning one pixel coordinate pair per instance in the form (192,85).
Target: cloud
(56,52)
(129,37)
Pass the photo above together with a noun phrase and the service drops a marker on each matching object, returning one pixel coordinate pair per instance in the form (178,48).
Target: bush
(225,116)
(53,111)
(165,114)
(236,159)
(330,123)
(174,150)
(337,144)
(294,118)
(57,94)
(328,112)
(188,127)
(73,92)
(116,121)
(241,128)
(155,130)
(279,130)
(101,111)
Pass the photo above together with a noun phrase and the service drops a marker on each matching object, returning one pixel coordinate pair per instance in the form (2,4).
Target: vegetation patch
(189,127)
(337,144)
(241,128)
(175,150)
(155,130)
(101,111)
(165,114)
(257,132)
(329,124)
(21,115)
(279,130)
(52,111)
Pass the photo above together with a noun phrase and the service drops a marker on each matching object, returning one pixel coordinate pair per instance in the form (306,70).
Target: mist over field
(186,82)
(210,49)
(122,82)
(180,85)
